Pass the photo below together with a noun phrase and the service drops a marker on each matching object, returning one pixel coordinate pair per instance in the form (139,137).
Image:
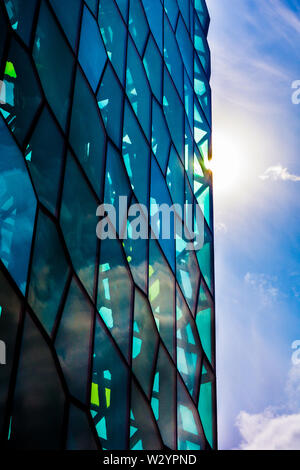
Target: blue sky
(256,135)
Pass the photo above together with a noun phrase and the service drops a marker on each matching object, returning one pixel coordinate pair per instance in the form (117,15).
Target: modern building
(110,344)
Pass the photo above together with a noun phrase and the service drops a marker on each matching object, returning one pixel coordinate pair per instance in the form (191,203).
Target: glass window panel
(110,102)
(144,434)
(162,296)
(175,178)
(160,136)
(137,88)
(39,401)
(49,273)
(109,392)
(87,134)
(201,47)
(114,35)
(163,399)
(18,207)
(202,89)
(206,411)
(171,8)
(153,66)
(115,293)
(154,13)
(72,342)
(162,225)
(21,15)
(185,46)
(202,12)
(172,57)
(123,6)
(10,308)
(136,155)
(137,249)
(188,346)
(78,221)
(145,342)
(138,25)
(174,113)
(69,21)
(189,152)
(54,63)
(92,56)
(20,93)
(80,435)
(44,155)
(189,100)
(205,258)
(190,436)
(204,320)
(3,33)
(184,6)
(92,4)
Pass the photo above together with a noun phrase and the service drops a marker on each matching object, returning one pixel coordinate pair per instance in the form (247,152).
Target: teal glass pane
(137,88)
(190,436)
(117,186)
(188,346)
(205,258)
(202,13)
(189,153)
(174,113)
(20,93)
(153,66)
(160,136)
(80,435)
(185,46)
(115,293)
(175,178)
(9,321)
(184,6)
(143,428)
(202,89)
(137,249)
(73,340)
(163,399)
(44,156)
(172,57)
(92,55)
(201,47)
(154,13)
(163,226)
(204,320)
(189,100)
(70,21)
(78,222)
(136,155)
(54,62)
(87,135)
(110,102)
(162,296)
(138,26)
(171,8)
(39,400)
(206,411)
(18,208)
(21,16)
(144,342)
(109,392)
(114,35)
(48,274)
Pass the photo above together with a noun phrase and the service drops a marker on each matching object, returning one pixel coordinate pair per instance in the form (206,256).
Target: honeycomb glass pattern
(110,344)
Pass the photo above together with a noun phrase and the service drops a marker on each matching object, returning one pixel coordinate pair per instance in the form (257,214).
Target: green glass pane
(206,410)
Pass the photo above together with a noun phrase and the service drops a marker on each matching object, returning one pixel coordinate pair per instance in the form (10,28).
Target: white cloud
(265,286)
(278,172)
(269,431)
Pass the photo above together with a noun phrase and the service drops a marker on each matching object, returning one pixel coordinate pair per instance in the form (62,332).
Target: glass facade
(110,344)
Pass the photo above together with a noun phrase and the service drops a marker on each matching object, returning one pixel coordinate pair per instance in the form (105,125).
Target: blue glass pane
(185,46)
(160,136)
(174,113)
(175,178)
(138,25)
(87,135)
(18,207)
(110,102)
(54,62)
(69,20)
(154,12)
(184,6)
(123,5)
(92,56)
(172,57)
(172,11)
(114,35)
(137,88)
(21,16)
(92,4)
(153,66)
